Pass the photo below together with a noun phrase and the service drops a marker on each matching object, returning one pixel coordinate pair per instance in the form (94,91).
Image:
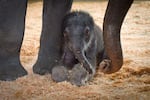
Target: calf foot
(41,68)
(45,63)
(59,73)
(79,76)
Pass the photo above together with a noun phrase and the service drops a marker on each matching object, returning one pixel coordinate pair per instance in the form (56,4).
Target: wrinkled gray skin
(83,45)
(12,24)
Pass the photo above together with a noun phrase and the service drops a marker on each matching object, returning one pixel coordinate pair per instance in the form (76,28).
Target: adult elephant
(12,24)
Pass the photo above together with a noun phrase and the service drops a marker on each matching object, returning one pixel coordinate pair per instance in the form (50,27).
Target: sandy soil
(132,82)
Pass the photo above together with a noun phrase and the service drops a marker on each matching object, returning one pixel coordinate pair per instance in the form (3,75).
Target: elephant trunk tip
(115,66)
(109,66)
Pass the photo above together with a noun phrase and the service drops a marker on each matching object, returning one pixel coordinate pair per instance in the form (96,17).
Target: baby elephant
(82,49)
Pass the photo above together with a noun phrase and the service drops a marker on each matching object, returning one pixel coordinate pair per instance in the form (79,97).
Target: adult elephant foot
(79,76)
(51,37)
(11,69)
(60,73)
(12,20)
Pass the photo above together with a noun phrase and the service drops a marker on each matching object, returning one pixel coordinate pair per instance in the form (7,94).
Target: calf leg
(61,72)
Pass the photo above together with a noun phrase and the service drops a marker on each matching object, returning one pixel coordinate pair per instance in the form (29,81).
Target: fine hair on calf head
(78,18)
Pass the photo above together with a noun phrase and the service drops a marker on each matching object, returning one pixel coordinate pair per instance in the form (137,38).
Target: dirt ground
(132,82)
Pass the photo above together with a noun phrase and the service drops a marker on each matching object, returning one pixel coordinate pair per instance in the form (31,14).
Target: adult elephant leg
(50,43)
(113,20)
(12,20)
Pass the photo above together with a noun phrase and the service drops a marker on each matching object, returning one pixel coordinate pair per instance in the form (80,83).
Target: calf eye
(87,30)
(66,31)
(87,33)
(65,34)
